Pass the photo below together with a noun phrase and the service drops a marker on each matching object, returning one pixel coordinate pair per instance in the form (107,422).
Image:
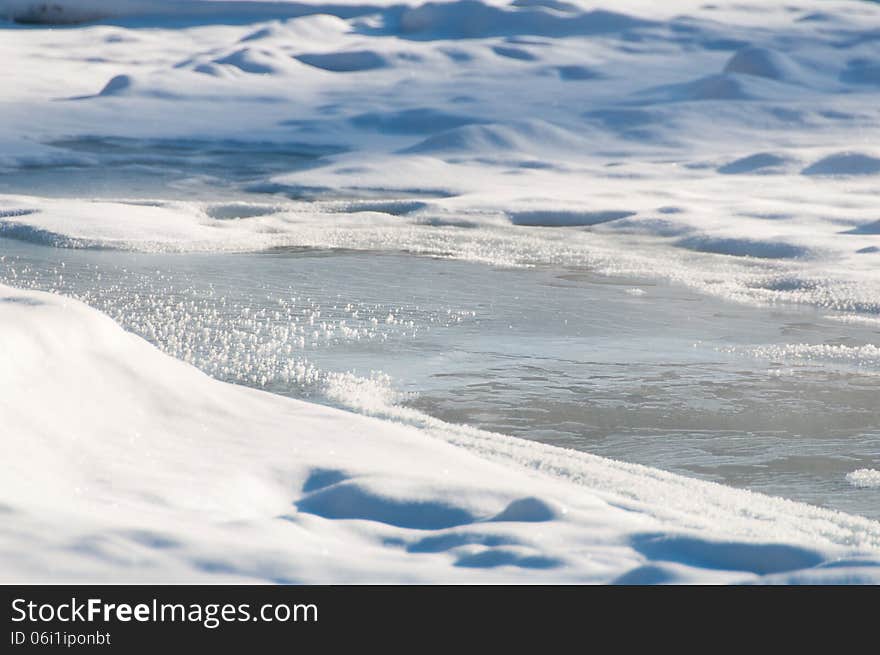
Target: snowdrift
(121,464)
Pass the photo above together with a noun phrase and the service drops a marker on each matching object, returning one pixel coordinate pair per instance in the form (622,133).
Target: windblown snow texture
(726,146)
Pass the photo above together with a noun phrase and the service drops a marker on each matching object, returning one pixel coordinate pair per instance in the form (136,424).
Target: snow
(868,478)
(730,147)
(147,470)
(756,133)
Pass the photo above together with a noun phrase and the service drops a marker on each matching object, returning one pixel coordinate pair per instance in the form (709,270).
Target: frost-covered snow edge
(122,464)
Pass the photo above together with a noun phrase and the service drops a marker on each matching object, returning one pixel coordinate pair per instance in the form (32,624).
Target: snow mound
(309,28)
(759,163)
(763,62)
(118,85)
(725,86)
(522,136)
(528,509)
(867,478)
(844,163)
(117,225)
(255,61)
(147,470)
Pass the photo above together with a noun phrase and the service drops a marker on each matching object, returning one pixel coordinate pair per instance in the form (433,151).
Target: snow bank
(489,114)
(868,478)
(845,163)
(763,62)
(148,470)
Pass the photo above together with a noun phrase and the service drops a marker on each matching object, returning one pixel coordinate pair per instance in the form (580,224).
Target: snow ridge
(148,470)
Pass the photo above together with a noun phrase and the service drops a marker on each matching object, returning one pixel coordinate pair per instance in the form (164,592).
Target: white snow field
(123,464)
(728,148)
(678,131)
